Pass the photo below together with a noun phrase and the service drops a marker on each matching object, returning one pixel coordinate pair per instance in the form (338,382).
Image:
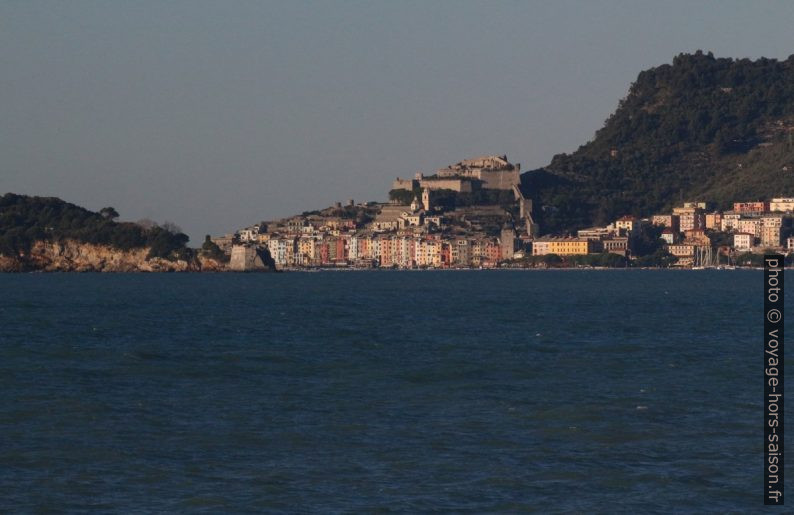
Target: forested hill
(25,220)
(702,128)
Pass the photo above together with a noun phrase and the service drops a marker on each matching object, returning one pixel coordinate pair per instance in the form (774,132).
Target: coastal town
(474,214)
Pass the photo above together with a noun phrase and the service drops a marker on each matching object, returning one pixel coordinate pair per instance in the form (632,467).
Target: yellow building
(770,236)
(434,253)
(564,246)
(428,253)
(571,246)
(714,221)
(306,252)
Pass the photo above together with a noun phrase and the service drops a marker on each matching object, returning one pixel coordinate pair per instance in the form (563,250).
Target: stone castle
(486,172)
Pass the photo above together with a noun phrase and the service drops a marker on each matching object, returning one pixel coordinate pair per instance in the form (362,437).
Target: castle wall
(404,184)
(459,185)
(498,179)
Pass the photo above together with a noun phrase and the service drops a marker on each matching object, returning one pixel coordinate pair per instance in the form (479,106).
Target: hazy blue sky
(216,115)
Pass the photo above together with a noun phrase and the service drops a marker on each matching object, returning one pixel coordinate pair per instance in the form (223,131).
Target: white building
(280,250)
(353,251)
(782,204)
(249,234)
(743,241)
(627,223)
(541,247)
(772,221)
(750,225)
(730,222)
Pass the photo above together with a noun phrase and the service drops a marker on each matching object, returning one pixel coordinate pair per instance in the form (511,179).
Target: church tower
(426,199)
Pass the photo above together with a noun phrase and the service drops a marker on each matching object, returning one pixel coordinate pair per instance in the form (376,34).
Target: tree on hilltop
(109,213)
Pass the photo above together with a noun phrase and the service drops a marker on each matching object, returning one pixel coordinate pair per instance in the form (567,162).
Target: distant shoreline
(369,270)
(506,269)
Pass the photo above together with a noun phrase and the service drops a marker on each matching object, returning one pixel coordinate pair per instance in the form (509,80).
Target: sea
(483,391)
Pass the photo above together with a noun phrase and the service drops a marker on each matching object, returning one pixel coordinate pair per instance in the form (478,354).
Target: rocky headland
(74,256)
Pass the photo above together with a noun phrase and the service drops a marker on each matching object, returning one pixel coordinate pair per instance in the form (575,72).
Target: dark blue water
(612,391)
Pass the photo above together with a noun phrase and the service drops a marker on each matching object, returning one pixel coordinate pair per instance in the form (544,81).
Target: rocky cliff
(73,256)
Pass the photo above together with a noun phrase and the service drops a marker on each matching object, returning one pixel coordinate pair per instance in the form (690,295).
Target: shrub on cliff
(211,250)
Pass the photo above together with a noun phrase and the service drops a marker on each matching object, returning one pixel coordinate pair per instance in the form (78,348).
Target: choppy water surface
(361,391)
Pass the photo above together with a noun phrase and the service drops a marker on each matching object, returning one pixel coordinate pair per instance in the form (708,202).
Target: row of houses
(391,250)
(687,231)
(420,236)
(297,225)
(764,224)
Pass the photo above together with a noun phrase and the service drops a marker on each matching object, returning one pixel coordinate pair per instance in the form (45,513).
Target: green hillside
(701,128)
(25,219)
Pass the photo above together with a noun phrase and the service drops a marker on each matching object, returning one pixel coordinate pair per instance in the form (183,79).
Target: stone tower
(426,199)
(247,258)
(507,241)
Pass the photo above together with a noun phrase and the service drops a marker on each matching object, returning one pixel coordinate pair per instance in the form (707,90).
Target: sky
(217,115)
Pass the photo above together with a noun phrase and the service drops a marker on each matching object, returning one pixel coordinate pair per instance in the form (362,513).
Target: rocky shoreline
(73,256)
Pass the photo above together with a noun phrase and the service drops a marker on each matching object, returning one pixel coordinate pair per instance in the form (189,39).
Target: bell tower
(426,199)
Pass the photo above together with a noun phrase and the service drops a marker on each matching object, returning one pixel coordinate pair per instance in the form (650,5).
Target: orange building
(751,207)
